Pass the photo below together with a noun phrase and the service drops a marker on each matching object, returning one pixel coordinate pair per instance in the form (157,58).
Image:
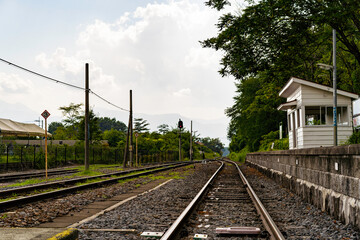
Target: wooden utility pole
(128,147)
(131,132)
(87,90)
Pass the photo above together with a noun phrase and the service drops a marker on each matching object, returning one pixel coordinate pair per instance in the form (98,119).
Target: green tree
(268,42)
(213,143)
(107,123)
(72,119)
(141,125)
(72,113)
(53,126)
(163,128)
(114,137)
(60,133)
(94,128)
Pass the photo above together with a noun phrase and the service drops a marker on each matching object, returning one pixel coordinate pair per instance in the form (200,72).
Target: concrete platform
(30,234)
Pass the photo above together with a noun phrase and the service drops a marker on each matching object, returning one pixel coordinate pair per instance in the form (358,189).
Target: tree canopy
(269,41)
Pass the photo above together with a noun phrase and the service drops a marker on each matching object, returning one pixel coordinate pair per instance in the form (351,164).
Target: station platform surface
(29,233)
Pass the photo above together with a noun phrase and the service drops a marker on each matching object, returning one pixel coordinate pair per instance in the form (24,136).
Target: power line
(41,75)
(108,101)
(61,82)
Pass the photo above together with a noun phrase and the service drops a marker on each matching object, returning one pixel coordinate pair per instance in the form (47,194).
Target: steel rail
(25,189)
(33,198)
(269,223)
(11,177)
(176,226)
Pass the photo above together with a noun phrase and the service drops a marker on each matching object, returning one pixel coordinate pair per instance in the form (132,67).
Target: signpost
(45,115)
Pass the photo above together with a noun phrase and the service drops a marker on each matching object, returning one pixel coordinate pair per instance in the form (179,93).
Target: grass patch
(90,181)
(124,181)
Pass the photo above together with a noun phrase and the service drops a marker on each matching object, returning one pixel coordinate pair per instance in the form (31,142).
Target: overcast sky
(151,47)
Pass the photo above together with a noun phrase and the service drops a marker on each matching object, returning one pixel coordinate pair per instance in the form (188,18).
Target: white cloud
(13,83)
(70,64)
(182,92)
(154,51)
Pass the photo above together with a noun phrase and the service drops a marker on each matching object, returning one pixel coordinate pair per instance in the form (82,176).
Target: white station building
(309,109)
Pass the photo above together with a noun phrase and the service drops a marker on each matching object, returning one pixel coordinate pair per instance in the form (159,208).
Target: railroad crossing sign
(45,114)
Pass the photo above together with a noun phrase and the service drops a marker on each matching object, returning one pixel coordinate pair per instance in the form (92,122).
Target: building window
(318,115)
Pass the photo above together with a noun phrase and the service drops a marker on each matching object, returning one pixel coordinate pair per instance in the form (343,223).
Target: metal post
(334,86)
(87,116)
(191,150)
(179,144)
(46,162)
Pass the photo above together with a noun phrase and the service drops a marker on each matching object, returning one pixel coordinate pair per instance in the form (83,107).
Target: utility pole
(191,150)
(87,117)
(131,132)
(180,144)
(334,86)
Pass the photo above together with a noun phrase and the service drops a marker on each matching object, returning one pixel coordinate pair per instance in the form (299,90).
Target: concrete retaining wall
(327,177)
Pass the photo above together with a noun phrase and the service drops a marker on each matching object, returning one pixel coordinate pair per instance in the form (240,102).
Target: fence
(14,156)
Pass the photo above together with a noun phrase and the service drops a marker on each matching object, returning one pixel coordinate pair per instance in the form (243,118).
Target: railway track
(225,207)
(18,176)
(68,185)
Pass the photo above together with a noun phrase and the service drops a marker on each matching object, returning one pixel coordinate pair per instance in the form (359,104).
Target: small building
(309,109)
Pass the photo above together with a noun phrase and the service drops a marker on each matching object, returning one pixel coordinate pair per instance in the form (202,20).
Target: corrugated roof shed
(9,127)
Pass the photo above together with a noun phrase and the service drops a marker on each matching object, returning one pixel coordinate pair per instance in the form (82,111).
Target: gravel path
(295,218)
(154,211)
(31,215)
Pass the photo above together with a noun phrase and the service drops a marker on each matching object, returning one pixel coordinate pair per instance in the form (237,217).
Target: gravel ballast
(152,212)
(295,218)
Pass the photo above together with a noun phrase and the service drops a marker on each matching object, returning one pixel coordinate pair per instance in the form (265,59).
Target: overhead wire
(61,82)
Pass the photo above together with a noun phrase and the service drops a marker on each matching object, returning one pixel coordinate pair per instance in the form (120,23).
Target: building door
(294,131)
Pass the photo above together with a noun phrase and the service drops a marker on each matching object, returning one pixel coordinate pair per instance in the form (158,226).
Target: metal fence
(15,156)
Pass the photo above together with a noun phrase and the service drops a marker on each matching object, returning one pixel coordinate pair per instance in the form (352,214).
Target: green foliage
(140,125)
(163,128)
(114,137)
(106,123)
(213,143)
(54,126)
(94,129)
(354,138)
(267,42)
(239,156)
(266,144)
